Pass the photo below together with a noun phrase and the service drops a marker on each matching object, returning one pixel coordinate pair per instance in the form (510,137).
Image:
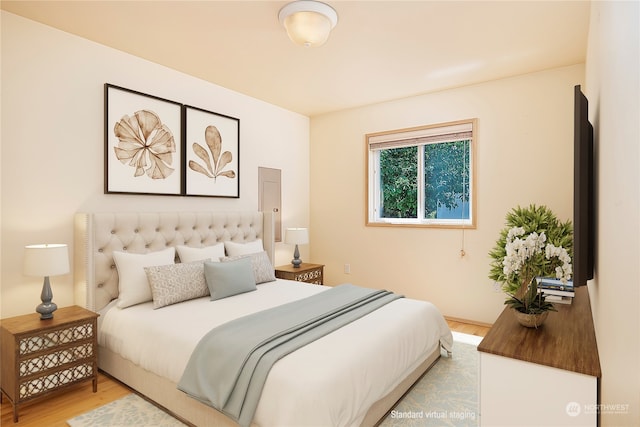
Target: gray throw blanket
(229,366)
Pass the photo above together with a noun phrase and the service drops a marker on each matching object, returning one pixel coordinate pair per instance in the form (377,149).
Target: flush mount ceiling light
(308,22)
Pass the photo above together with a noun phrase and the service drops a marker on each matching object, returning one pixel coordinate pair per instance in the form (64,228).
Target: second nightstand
(310,273)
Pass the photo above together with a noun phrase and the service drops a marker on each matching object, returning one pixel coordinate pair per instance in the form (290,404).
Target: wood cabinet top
(304,266)
(32,322)
(566,340)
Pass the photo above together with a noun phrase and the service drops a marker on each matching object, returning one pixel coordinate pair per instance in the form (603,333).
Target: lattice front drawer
(314,276)
(57,379)
(56,359)
(52,339)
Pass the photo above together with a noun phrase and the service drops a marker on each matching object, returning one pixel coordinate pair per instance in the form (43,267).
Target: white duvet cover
(330,382)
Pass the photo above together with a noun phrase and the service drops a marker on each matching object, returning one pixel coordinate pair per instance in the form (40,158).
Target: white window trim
(466,129)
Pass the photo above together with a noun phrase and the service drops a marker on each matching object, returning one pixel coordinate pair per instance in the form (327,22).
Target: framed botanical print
(212,153)
(143,150)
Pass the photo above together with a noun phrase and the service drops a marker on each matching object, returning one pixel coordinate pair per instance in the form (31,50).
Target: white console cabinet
(541,377)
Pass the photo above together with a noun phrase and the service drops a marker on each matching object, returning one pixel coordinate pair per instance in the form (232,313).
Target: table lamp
(46,260)
(296,236)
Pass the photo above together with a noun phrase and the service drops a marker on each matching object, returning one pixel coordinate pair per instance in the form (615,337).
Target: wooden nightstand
(310,273)
(42,357)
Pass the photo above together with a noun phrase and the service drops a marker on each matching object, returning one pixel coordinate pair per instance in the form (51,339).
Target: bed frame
(97,235)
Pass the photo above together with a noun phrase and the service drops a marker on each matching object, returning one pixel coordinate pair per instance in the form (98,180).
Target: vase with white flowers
(533,244)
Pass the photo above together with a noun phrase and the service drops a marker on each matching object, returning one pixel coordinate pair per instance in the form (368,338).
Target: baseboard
(467,321)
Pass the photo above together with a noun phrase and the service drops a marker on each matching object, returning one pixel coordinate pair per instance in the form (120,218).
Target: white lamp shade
(308,23)
(296,236)
(46,260)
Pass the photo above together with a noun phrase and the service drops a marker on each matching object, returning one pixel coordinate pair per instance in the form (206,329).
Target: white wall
(52,146)
(524,155)
(613,89)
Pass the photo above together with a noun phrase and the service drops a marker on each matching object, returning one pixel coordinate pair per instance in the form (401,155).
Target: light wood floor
(465,327)
(55,411)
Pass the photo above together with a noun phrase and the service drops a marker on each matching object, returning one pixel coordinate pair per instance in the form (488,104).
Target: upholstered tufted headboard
(97,235)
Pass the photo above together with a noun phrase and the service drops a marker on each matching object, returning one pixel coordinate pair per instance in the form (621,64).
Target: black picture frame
(143,150)
(211,153)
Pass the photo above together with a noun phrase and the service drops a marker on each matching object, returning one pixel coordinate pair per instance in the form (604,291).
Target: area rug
(447,395)
(129,411)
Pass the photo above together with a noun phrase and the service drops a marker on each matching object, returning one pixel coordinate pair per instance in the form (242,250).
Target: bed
(352,376)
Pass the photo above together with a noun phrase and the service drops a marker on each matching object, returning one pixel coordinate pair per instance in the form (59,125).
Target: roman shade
(421,136)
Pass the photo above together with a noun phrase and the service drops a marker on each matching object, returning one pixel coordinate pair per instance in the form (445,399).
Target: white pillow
(133,284)
(208,253)
(235,249)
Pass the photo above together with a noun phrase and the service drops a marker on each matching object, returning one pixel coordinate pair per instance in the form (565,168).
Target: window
(422,176)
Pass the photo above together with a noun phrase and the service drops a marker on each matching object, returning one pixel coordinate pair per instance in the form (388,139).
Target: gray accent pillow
(226,279)
(263,270)
(175,283)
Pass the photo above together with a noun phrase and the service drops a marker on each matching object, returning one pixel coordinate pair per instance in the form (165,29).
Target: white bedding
(332,381)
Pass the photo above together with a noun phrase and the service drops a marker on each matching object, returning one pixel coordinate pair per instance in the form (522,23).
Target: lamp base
(47,307)
(46,310)
(296,261)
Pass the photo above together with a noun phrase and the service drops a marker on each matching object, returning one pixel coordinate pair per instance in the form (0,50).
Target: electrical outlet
(347,269)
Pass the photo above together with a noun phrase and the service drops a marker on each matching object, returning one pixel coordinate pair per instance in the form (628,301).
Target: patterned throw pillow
(174,283)
(263,270)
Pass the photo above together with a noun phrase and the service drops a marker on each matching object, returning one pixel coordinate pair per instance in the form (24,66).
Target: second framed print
(212,153)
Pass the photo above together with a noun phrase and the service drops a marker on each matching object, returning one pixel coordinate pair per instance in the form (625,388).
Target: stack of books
(555,291)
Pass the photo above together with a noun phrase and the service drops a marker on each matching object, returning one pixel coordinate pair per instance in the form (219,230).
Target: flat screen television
(583,192)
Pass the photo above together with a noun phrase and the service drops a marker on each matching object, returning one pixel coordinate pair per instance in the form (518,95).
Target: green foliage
(446,178)
(446,175)
(521,289)
(531,302)
(398,179)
